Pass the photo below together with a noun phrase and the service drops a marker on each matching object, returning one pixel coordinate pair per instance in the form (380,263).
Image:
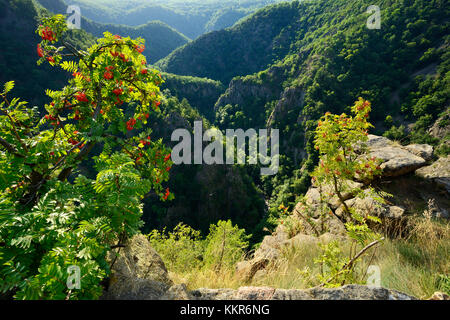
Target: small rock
(424,151)
(440,296)
(246,270)
(438,172)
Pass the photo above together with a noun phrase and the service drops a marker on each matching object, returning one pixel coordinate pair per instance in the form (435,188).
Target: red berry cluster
(72,141)
(131,123)
(48,34)
(147,141)
(108,75)
(49,117)
(140,48)
(118,91)
(81,96)
(39,50)
(167,194)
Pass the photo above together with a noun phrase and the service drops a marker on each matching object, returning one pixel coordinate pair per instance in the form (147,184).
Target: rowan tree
(52,217)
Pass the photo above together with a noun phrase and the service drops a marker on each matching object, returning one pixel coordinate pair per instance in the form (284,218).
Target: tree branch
(349,264)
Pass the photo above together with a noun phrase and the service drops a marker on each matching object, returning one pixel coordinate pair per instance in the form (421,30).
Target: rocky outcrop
(137,273)
(242,89)
(438,172)
(398,160)
(441,128)
(348,292)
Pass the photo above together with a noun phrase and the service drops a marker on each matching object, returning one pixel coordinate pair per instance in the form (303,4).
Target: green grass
(418,265)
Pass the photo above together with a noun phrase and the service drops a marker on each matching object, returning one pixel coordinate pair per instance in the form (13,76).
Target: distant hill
(192,18)
(160,38)
(249,46)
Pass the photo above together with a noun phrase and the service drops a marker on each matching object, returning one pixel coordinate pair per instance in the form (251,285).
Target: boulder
(375,142)
(269,250)
(301,240)
(397,161)
(247,269)
(177,292)
(312,196)
(424,151)
(438,172)
(138,272)
(368,205)
(270,246)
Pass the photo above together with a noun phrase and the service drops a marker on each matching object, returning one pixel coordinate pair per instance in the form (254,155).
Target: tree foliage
(52,217)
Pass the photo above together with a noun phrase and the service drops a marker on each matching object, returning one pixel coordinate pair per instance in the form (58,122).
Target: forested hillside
(248,47)
(161,39)
(316,56)
(191,18)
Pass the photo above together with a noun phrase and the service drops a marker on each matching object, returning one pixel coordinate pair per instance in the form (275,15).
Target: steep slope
(328,57)
(201,93)
(249,46)
(160,38)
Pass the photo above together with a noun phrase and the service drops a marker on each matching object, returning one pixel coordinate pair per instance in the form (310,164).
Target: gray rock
(441,128)
(368,205)
(440,296)
(438,172)
(424,151)
(301,240)
(212,294)
(138,272)
(347,292)
(247,269)
(269,248)
(397,161)
(375,142)
(177,292)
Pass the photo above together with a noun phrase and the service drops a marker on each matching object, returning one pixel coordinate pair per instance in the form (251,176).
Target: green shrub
(184,251)
(226,245)
(180,249)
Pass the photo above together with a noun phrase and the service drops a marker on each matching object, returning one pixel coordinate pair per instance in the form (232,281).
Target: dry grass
(207,278)
(412,265)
